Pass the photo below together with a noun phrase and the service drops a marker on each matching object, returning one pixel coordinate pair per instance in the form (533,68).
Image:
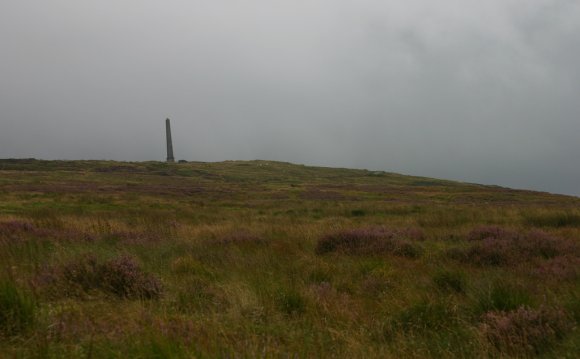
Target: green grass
(102,259)
(17,309)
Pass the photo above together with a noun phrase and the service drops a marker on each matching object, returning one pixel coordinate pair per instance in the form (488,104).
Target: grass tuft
(17,309)
(358,213)
(450,281)
(291,302)
(556,220)
(424,316)
(502,296)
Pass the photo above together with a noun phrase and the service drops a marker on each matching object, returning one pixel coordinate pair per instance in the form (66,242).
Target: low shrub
(565,267)
(487,252)
(123,277)
(494,246)
(490,232)
(17,309)
(525,331)
(120,276)
(537,243)
(20,230)
(374,240)
(83,273)
(11,227)
(490,252)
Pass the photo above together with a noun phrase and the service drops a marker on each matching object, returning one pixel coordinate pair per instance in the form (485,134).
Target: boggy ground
(268,259)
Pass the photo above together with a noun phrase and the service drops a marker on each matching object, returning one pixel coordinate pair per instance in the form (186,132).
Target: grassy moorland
(268,259)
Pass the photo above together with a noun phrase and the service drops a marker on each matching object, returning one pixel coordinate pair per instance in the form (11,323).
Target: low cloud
(460,89)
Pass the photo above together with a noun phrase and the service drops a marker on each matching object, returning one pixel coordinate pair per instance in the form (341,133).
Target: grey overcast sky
(478,91)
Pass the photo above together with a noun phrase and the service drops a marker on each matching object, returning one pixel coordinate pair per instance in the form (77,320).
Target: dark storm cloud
(481,91)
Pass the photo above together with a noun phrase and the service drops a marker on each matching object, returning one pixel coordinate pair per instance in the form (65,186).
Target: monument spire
(169,141)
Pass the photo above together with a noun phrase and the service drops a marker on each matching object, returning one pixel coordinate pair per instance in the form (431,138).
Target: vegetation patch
(291,302)
(121,276)
(557,220)
(494,246)
(424,316)
(21,231)
(565,267)
(450,281)
(15,227)
(501,296)
(491,232)
(268,259)
(240,237)
(526,331)
(198,294)
(372,240)
(323,195)
(17,309)
(358,213)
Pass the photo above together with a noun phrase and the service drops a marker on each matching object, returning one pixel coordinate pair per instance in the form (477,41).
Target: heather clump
(121,276)
(525,331)
(12,227)
(82,273)
(373,240)
(494,246)
(490,232)
(17,230)
(124,277)
(566,267)
(487,252)
(540,244)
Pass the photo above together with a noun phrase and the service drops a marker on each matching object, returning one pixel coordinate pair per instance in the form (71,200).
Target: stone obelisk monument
(169,141)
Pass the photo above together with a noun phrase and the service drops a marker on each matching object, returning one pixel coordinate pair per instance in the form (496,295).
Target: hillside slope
(268,259)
